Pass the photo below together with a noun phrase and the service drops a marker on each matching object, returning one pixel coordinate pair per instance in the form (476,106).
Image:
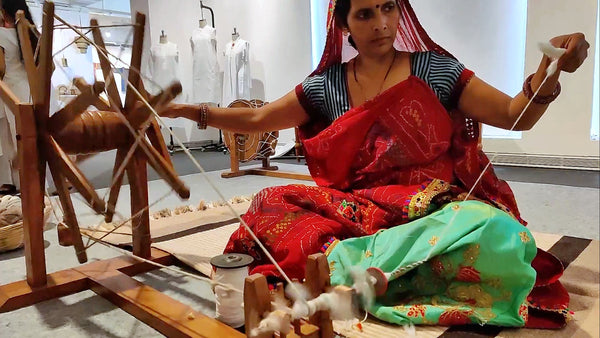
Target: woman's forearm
(239,120)
(535,110)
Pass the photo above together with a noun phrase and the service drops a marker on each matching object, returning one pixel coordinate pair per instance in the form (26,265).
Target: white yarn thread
(229,303)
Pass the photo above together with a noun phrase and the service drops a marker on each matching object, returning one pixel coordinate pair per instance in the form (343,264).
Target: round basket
(11,236)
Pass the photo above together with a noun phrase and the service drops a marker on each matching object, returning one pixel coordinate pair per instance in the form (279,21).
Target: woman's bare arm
(283,113)
(484,103)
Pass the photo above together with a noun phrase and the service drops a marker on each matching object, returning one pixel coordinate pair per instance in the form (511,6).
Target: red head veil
(411,37)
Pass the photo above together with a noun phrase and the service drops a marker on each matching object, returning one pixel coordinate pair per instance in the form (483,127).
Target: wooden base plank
(19,294)
(161,312)
(112,280)
(267,172)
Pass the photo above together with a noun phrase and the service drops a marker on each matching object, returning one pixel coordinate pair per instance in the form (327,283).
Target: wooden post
(266,164)
(257,302)
(317,281)
(137,173)
(32,195)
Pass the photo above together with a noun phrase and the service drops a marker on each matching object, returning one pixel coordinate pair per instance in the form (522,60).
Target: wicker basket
(11,236)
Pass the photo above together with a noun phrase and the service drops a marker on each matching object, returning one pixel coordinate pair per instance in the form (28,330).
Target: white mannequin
(163,66)
(236,76)
(206,79)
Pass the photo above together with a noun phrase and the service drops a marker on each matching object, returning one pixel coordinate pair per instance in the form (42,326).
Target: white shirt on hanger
(206,82)
(164,67)
(236,78)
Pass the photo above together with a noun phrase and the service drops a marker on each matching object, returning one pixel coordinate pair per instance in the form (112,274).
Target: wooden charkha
(44,139)
(257,146)
(258,301)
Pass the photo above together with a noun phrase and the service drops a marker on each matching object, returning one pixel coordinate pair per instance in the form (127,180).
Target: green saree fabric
(465,263)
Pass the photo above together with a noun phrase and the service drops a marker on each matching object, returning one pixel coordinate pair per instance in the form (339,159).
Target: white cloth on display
(206,82)
(163,68)
(236,78)
(16,79)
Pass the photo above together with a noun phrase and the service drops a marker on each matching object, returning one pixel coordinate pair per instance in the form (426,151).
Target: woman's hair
(341,10)
(10,8)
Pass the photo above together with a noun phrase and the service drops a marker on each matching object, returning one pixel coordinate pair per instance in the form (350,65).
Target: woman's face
(373,25)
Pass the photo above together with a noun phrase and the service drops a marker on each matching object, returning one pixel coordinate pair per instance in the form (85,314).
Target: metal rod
(212,14)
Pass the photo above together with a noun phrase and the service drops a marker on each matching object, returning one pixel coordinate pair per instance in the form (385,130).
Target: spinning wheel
(73,130)
(129,128)
(248,147)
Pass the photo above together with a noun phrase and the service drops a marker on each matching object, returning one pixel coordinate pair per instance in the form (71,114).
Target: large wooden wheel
(127,127)
(254,146)
(76,130)
(257,146)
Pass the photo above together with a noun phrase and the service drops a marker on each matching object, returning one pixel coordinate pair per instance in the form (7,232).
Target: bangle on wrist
(539,99)
(203,118)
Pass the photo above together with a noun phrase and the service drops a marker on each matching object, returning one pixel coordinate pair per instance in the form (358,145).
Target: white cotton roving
(276,321)
(279,302)
(296,291)
(410,329)
(364,284)
(552,52)
(336,302)
(299,294)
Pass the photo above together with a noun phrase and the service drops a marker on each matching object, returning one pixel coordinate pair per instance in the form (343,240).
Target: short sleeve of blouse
(446,76)
(325,94)
(309,93)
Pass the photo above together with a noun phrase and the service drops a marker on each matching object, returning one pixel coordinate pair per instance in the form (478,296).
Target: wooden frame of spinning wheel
(111,278)
(258,300)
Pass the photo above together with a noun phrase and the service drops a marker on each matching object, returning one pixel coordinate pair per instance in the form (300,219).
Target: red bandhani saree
(394,159)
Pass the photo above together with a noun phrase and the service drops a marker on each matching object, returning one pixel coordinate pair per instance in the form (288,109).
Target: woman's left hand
(577,51)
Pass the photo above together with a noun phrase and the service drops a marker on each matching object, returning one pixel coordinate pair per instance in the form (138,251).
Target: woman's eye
(363,15)
(388,7)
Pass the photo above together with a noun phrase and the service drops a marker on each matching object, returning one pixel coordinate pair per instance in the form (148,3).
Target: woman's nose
(380,23)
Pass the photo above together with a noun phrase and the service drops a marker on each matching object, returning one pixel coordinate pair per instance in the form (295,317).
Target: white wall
(487,36)
(497,39)
(278,32)
(565,128)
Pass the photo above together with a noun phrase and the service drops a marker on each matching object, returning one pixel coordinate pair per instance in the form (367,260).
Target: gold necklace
(362,91)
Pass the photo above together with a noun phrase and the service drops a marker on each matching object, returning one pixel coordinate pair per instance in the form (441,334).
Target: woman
(12,72)
(390,139)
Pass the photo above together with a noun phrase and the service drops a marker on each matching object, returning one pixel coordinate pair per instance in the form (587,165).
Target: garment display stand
(202,145)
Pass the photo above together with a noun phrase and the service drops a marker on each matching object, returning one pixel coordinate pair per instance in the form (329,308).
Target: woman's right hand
(175,110)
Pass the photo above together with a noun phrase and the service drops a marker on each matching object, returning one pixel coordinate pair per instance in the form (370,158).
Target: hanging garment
(206,82)
(236,77)
(16,79)
(164,68)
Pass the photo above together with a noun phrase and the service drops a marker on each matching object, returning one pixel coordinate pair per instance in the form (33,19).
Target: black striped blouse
(327,94)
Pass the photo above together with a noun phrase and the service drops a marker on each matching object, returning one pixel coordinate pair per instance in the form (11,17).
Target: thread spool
(230,269)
